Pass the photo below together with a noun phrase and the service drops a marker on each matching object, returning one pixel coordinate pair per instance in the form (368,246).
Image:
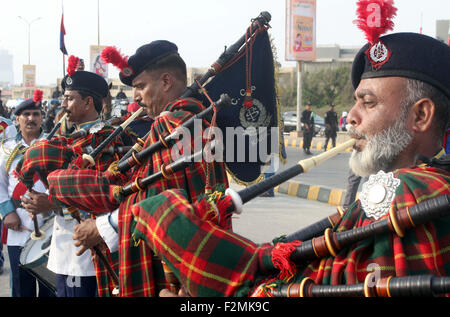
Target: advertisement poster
(29,75)
(300,30)
(98,66)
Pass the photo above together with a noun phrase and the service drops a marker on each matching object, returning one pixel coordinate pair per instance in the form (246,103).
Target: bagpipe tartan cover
(211,262)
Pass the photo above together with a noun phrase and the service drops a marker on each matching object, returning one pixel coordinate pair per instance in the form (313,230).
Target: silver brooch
(378,194)
(96,127)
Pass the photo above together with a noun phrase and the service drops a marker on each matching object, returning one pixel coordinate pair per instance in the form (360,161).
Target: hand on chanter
(36,203)
(86,235)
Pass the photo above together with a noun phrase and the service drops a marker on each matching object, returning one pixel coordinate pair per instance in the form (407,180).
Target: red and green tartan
(140,273)
(205,258)
(59,153)
(423,250)
(194,248)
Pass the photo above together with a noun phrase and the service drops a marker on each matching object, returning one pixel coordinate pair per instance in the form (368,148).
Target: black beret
(28,104)
(410,55)
(145,56)
(88,82)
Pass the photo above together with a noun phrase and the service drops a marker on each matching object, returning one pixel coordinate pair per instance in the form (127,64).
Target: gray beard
(381,150)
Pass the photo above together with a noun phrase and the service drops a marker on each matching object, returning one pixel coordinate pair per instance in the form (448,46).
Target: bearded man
(400,115)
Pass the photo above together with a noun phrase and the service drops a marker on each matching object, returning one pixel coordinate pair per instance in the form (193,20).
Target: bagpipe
(136,158)
(330,243)
(231,75)
(87,160)
(405,286)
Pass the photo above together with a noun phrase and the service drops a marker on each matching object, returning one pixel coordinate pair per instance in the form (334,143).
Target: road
(332,173)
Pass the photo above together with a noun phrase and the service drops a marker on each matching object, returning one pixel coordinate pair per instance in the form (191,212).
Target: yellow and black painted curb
(313,192)
(315,144)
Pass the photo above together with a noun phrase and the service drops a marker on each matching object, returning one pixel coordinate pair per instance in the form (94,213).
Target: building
(328,56)
(443,31)
(6,69)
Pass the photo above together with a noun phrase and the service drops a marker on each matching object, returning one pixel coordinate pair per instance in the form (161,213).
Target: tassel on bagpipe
(137,158)
(410,286)
(224,59)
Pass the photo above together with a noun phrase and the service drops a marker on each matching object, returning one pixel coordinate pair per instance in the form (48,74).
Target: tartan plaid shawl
(61,153)
(192,247)
(140,272)
(213,262)
(423,250)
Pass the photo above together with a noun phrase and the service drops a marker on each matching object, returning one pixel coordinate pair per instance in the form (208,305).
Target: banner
(251,125)
(300,30)
(98,66)
(29,75)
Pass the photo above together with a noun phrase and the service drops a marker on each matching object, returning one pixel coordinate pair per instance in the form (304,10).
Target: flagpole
(98,23)
(421,22)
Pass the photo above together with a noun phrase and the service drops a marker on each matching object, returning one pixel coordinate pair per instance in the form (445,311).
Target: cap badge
(378,194)
(69,81)
(378,54)
(127,71)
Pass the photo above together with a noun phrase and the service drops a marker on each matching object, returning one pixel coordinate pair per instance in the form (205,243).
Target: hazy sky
(200,28)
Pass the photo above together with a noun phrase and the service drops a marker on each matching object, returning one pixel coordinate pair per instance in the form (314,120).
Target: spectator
(343,121)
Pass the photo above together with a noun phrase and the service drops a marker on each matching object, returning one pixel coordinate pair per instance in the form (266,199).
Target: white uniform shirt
(107,226)
(62,258)
(8,184)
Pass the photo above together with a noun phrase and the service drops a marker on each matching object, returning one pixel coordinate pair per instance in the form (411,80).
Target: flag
(249,80)
(62,33)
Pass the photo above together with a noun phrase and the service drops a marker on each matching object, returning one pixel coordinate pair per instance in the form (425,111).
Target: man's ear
(87,101)
(423,111)
(167,80)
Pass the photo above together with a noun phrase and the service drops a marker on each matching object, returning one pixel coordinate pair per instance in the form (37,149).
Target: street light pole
(29,35)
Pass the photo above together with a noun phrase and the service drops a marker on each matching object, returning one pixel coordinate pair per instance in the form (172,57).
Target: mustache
(355,134)
(142,104)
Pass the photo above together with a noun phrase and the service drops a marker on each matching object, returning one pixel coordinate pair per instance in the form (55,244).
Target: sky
(200,28)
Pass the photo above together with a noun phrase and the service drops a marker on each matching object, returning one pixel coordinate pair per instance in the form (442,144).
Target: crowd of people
(174,236)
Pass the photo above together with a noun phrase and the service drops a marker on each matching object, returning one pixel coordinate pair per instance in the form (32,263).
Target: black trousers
(307,138)
(330,134)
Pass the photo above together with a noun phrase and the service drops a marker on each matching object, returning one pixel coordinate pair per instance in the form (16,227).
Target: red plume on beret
(375,18)
(37,95)
(112,55)
(73,63)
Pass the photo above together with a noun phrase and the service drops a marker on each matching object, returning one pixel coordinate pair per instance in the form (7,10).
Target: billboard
(29,75)
(300,30)
(97,65)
